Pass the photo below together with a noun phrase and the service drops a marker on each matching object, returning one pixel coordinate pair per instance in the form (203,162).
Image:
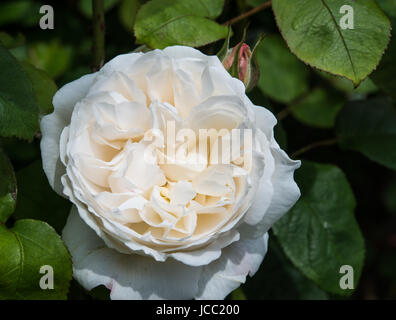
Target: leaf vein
(21,260)
(342,38)
(168,22)
(205,7)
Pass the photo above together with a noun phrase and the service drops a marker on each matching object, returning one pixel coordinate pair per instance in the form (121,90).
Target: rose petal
(127,276)
(206,255)
(281,185)
(286,192)
(183,52)
(120,83)
(52,125)
(237,261)
(181,193)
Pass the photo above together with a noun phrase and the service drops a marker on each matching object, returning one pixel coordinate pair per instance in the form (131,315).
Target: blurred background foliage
(308,103)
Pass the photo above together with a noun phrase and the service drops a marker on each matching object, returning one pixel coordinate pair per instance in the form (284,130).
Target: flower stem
(98,23)
(283,113)
(314,145)
(248,13)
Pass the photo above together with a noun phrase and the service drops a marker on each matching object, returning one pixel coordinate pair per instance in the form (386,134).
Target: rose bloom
(152,229)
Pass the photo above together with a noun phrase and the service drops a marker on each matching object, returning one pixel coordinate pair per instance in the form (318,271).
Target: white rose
(142,225)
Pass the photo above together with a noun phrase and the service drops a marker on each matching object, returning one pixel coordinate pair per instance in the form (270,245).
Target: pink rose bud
(229,60)
(241,63)
(244,62)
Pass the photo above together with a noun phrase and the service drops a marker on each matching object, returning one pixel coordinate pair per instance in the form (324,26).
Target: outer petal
(122,62)
(265,122)
(127,276)
(262,179)
(183,52)
(285,190)
(53,124)
(229,272)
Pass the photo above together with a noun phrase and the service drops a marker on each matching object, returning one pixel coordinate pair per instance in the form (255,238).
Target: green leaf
(384,75)
(8,188)
(312,31)
(21,12)
(14,11)
(318,109)
(320,233)
(127,12)
(20,53)
(162,23)
(369,127)
(367,86)
(52,57)
(43,86)
(24,249)
(284,282)
(282,76)
(37,200)
(18,108)
(238,294)
(389,7)
(9,41)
